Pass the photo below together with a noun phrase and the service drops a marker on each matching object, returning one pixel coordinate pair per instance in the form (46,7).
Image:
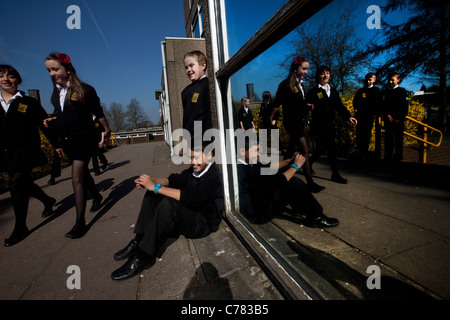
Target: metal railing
(425,131)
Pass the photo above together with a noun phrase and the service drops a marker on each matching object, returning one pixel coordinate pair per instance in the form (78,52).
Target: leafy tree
(418,45)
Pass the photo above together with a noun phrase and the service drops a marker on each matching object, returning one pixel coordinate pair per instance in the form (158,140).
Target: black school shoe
(133,267)
(16,237)
(78,231)
(48,209)
(126,252)
(322,222)
(338,179)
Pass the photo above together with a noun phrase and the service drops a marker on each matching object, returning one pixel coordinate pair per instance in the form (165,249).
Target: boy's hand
(299,160)
(145,181)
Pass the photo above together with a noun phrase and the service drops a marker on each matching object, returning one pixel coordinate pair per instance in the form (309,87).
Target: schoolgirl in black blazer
(20,149)
(291,97)
(74,104)
(326,102)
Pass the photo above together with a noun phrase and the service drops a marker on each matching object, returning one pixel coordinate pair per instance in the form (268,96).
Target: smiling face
(194,70)
(9,82)
(302,70)
(324,77)
(394,81)
(57,72)
(199,161)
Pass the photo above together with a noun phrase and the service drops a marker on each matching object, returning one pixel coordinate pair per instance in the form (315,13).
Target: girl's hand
(353,120)
(46,121)
(299,160)
(60,152)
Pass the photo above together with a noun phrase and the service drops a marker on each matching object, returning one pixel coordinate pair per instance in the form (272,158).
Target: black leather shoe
(78,231)
(126,252)
(51,181)
(132,267)
(323,222)
(16,238)
(338,179)
(48,209)
(104,166)
(315,188)
(96,204)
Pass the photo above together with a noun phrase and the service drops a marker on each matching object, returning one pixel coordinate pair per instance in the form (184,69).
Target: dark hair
(369,75)
(267,96)
(321,70)
(11,71)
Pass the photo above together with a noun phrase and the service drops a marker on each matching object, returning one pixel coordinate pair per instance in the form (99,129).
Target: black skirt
(79,147)
(21,159)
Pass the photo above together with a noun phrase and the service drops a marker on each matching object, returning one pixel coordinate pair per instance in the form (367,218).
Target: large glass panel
(337,33)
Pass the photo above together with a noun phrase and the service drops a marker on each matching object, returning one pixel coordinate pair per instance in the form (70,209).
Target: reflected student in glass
(327,102)
(263,196)
(291,97)
(21,117)
(265,113)
(367,104)
(74,103)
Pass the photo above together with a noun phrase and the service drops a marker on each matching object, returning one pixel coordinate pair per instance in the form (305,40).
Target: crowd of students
(189,203)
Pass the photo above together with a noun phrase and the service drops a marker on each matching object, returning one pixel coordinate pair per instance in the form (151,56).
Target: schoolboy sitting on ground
(263,197)
(190,203)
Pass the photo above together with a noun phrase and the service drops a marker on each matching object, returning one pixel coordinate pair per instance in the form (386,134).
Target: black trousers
(96,155)
(364,131)
(325,142)
(161,218)
(296,194)
(393,137)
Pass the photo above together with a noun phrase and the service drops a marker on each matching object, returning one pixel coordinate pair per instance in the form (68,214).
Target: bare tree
(116,117)
(136,115)
(334,44)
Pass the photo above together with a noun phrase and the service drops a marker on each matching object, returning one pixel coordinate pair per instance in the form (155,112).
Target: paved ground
(216,267)
(394,217)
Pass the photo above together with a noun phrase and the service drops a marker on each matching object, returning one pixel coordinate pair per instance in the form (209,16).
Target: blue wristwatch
(294,166)
(156,188)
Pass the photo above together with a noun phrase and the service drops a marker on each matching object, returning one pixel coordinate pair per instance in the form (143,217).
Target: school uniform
(326,104)
(395,103)
(20,140)
(98,152)
(367,103)
(20,152)
(246,117)
(74,123)
(196,106)
(295,110)
(263,197)
(198,212)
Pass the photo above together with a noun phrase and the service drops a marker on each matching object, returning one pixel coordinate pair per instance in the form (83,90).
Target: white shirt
(62,94)
(5,104)
(301,87)
(327,89)
(196,175)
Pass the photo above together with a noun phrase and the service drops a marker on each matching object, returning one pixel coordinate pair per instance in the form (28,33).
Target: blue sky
(117,50)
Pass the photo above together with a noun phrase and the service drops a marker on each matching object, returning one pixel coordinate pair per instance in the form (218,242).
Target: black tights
(82,182)
(21,188)
(302,146)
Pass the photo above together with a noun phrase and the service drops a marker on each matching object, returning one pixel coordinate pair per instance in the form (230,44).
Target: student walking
(74,103)
(20,149)
(292,98)
(326,103)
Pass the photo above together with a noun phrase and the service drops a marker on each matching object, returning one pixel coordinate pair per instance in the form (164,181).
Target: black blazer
(395,103)
(325,108)
(295,110)
(20,140)
(76,118)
